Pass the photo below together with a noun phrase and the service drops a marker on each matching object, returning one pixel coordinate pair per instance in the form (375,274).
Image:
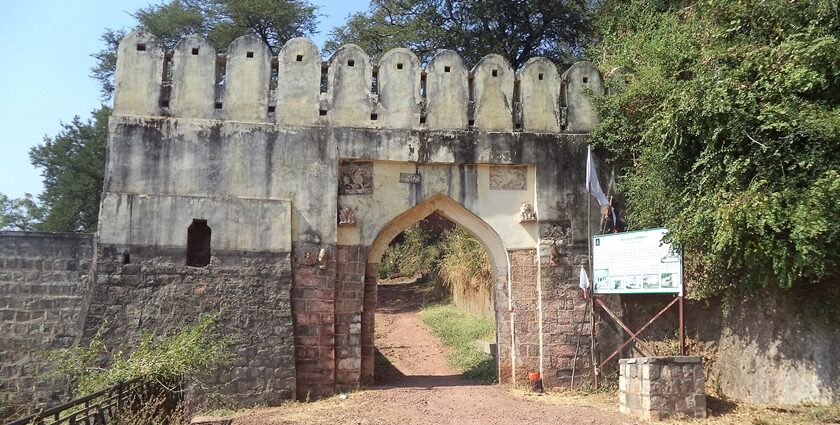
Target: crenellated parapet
(296,88)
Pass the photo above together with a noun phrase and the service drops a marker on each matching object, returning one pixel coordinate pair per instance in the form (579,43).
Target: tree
(72,165)
(517,30)
(18,214)
(220,21)
(726,125)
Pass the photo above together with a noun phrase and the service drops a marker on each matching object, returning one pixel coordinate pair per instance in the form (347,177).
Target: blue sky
(44,76)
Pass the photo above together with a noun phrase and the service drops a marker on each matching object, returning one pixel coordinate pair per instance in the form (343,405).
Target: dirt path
(418,387)
(415,357)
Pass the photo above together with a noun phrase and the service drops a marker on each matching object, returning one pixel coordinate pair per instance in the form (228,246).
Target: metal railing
(98,408)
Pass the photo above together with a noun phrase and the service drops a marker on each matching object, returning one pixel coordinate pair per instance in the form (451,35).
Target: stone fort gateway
(268,188)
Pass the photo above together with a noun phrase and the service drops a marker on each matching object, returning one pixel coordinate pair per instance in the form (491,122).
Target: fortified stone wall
(248,84)
(156,292)
(771,349)
(377,141)
(143,283)
(43,283)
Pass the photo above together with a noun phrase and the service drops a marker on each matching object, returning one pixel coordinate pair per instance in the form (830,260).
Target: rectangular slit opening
(249,54)
(274,78)
(141,47)
(351,62)
(218,105)
(271,109)
(373,117)
(195,51)
(446,69)
(585,80)
(540,77)
(299,58)
(399,66)
(322,112)
(471,123)
(495,72)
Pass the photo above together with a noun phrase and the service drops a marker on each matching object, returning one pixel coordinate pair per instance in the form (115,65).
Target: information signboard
(639,262)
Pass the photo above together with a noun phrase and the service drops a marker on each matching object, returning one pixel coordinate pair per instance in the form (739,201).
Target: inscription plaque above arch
(506,177)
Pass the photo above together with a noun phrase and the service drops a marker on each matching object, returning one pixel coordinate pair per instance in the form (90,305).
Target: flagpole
(590,303)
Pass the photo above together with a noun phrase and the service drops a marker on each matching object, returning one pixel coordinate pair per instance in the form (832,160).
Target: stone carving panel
(555,238)
(509,177)
(355,178)
(526,213)
(346,217)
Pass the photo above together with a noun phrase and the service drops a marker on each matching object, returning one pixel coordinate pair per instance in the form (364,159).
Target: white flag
(593,186)
(584,282)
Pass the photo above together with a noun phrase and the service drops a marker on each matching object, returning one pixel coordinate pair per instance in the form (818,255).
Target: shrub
(464,263)
(725,129)
(416,253)
(186,355)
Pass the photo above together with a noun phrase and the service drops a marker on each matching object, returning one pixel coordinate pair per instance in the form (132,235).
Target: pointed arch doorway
(481,231)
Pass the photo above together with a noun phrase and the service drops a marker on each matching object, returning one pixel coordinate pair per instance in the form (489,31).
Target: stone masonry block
(657,388)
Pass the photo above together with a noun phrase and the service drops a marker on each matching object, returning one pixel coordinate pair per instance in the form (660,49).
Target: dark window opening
(198,243)
(540,77)
(585,80)
(471,123)
(126,258)
(299,58)
(495,72)
(373,117)
(249,54)
(141,47)
(446,69)
(422,120)
(218,105)
(195,50)
(322,112)
(164,103)
(399,66)
(351,62)
(271,109)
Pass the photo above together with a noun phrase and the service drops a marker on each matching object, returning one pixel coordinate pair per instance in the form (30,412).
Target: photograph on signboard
(668,280)
(650,281)
(636,262)
(601,278)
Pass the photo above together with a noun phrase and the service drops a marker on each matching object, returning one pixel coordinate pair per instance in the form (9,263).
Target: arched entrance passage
(479,229)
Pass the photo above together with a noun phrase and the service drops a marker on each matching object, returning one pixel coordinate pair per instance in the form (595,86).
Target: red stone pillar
(313,311)
(349,291)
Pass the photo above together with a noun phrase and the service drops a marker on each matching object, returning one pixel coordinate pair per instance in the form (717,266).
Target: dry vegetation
(721,411)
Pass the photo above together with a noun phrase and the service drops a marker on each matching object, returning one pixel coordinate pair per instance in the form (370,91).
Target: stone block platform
(656,388)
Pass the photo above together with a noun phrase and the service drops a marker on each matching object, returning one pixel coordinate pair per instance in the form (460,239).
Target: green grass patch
(458,329)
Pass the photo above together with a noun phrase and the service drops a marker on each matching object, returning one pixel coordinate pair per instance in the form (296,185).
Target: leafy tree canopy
(727,122)
(220,21)
(18,214)
(72,164)
(517,30)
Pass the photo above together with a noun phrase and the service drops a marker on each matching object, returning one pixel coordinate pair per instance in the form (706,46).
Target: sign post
(638,262)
